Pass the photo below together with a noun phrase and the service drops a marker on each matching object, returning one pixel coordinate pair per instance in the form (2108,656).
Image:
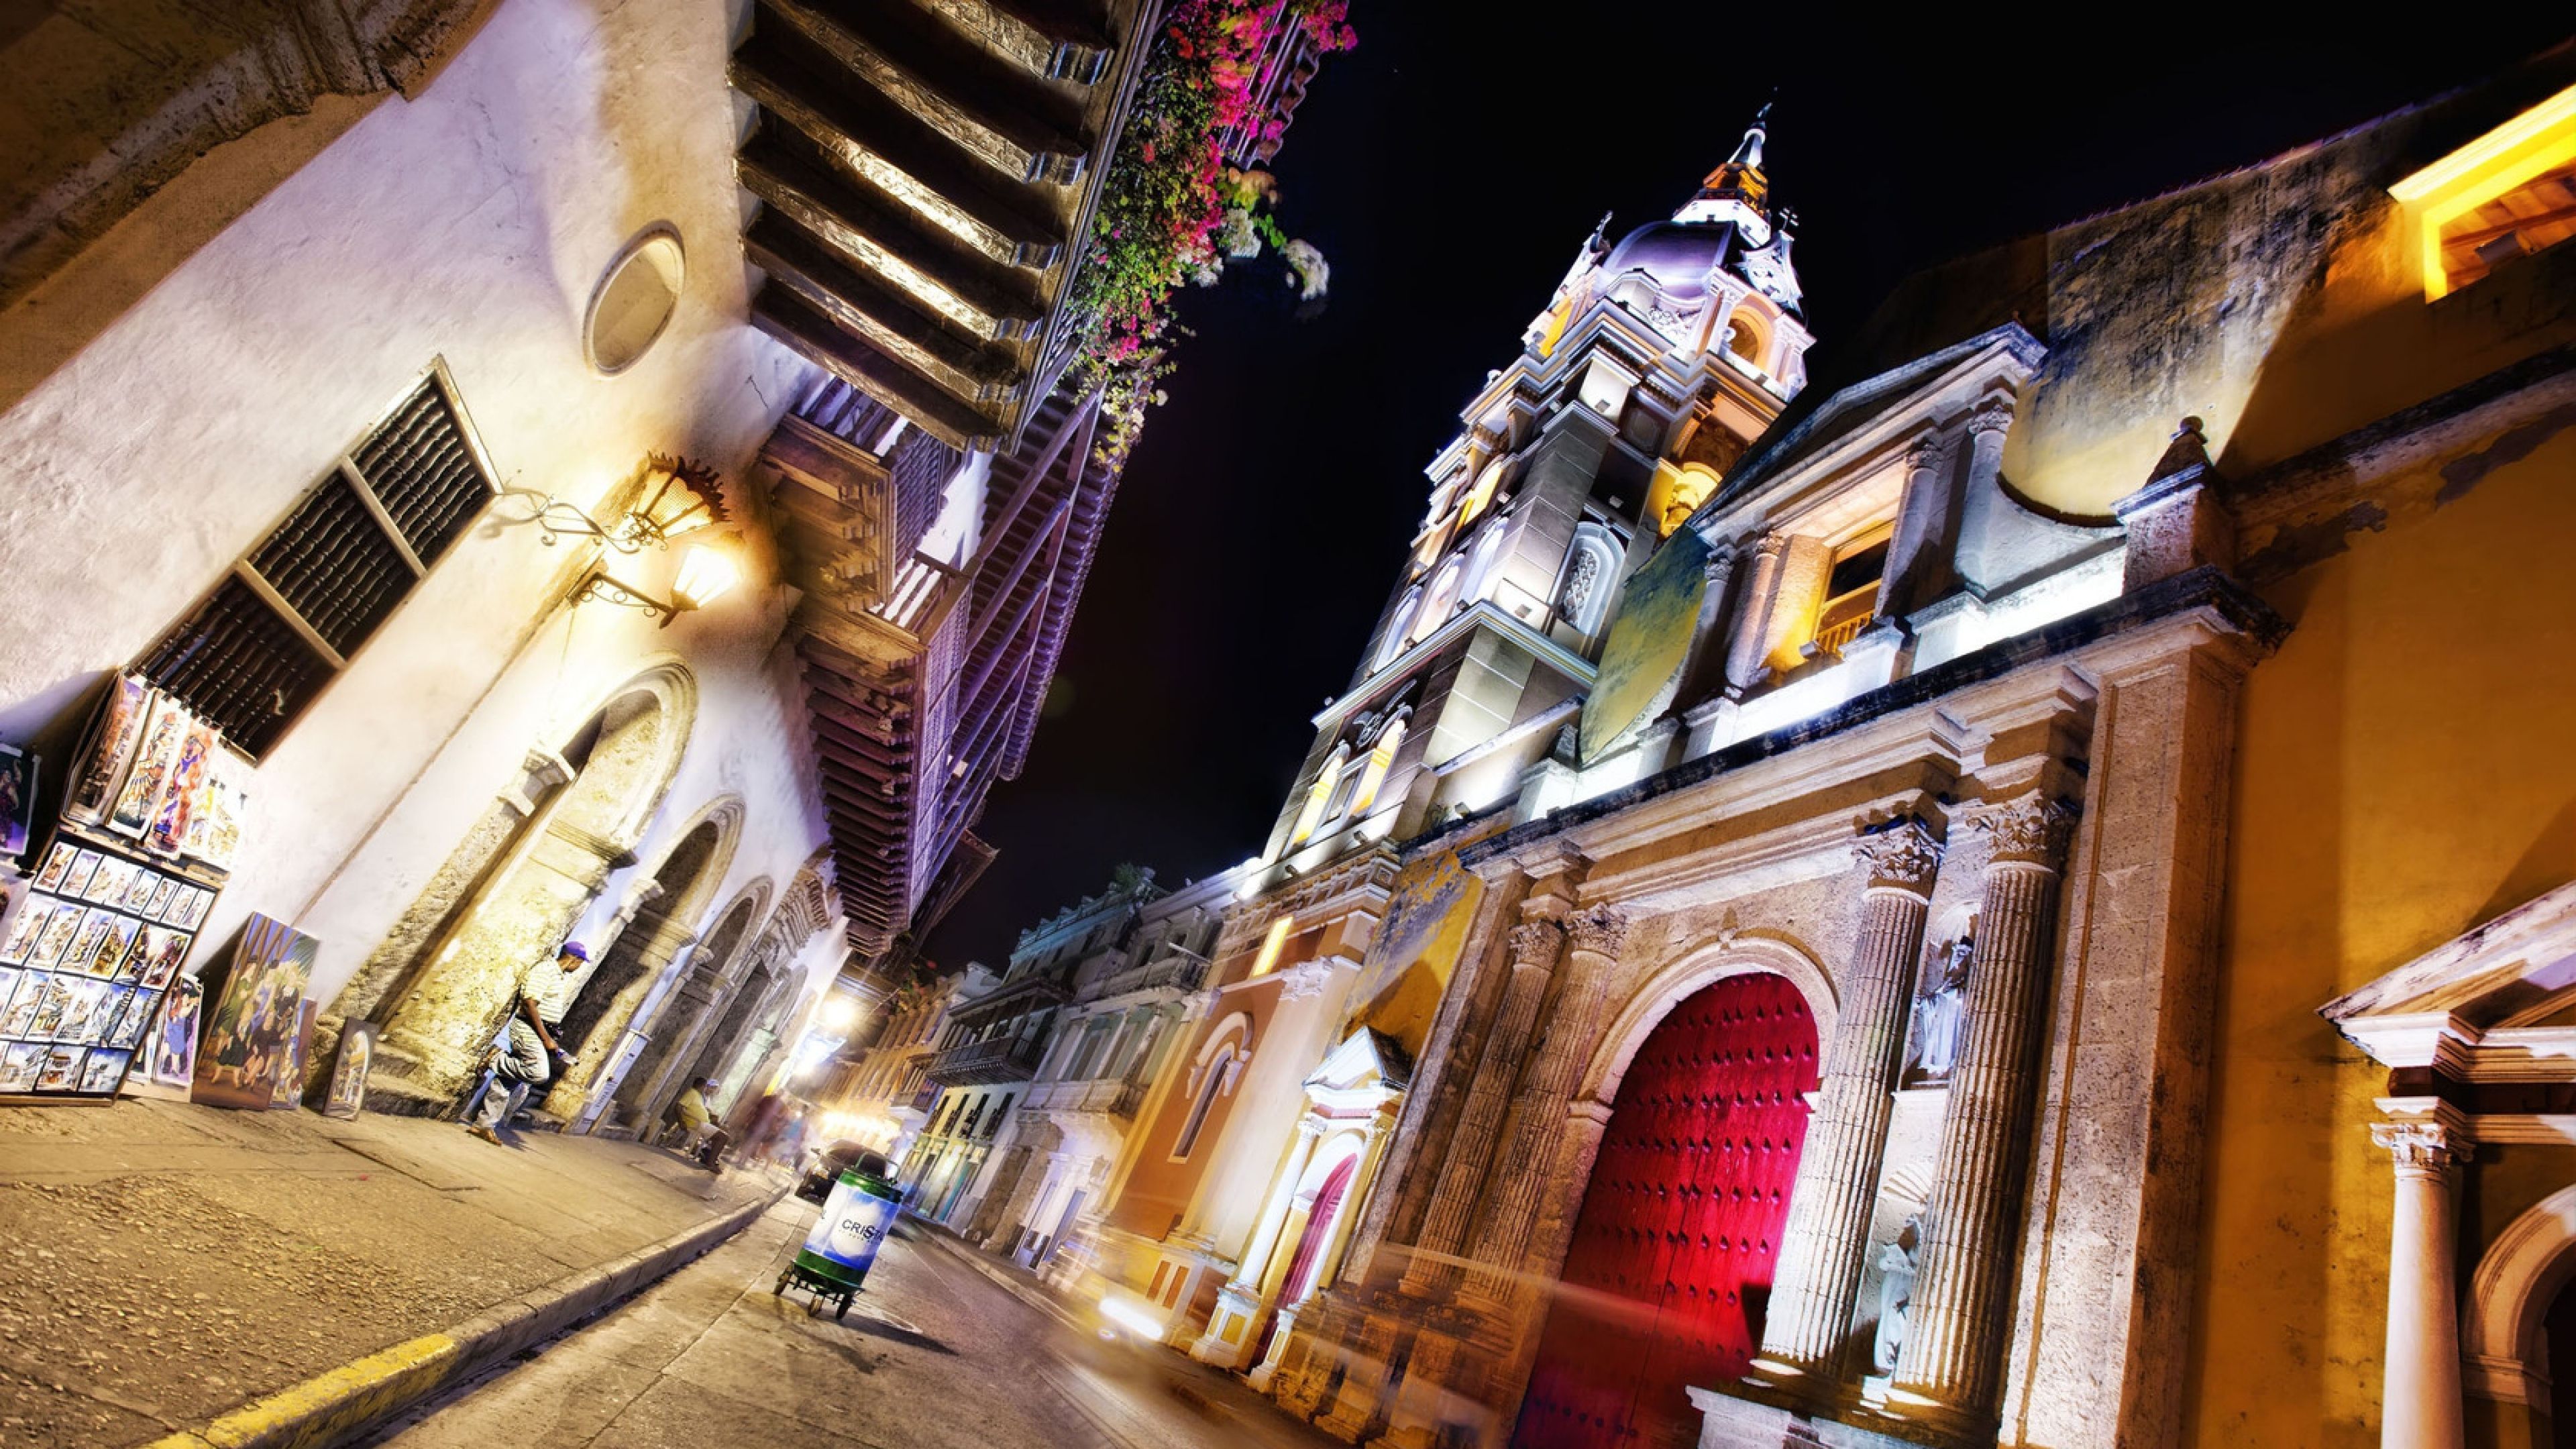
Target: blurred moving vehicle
(830,1162)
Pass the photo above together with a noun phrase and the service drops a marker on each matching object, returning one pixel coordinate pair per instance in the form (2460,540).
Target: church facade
(2015,894)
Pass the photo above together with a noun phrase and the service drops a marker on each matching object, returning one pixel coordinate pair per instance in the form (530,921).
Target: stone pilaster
(1918,556)
(1708,644)
(2420,1399)
(1752,622)
(1535,945)
(1952,1361)
(1825,1244)
(1593,940)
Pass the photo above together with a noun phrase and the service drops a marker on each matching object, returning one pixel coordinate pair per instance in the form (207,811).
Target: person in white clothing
(534,1057)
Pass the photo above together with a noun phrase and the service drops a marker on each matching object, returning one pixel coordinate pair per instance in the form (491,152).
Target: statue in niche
(1896,1266)
(1940,1013)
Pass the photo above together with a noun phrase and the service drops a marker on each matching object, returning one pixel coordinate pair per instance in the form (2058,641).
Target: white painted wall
(472,223)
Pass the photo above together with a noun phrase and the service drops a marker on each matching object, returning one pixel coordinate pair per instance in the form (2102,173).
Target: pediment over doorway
(2499,999)
(1369,1068)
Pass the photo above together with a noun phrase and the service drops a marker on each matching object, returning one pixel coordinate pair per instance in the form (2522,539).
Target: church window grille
(1583,596)
(288,615)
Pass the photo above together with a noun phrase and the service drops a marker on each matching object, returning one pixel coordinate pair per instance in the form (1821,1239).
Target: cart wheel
(841,1312)
(813,1305)
(779,1288)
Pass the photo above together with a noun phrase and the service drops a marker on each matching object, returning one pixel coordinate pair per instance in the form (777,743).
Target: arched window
(1399,628)
(1373,774)
(1212,1076)
(1481,496)
(1744,336)
(1442,600)
(1480,562)
(1591,572)
(1311,813)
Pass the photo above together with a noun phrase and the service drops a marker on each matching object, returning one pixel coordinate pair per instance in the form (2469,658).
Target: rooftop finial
(1739,181)
(1748,152)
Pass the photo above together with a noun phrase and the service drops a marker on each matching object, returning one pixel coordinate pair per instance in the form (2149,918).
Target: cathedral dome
(1676,255)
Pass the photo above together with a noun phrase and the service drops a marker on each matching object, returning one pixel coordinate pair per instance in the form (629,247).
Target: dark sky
(1448,168)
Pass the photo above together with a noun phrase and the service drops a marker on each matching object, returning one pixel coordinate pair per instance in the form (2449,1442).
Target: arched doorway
(631,962)
(1679,1232)
(641,1087)
(441,984)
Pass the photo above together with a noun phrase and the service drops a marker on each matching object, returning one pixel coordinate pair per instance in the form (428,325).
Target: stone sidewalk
(161,1264)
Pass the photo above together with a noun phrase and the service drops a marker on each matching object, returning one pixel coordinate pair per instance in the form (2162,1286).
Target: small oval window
(635,301)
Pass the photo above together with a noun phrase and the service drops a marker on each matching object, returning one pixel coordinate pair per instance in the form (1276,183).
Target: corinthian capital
(1599,930)
(1923,455)
(1534,943)
(2420,1148)
(1903,856)
(2029,831)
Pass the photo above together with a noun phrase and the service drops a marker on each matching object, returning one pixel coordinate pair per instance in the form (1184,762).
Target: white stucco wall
(472,223)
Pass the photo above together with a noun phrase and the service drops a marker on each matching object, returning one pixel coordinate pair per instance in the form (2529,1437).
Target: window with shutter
(291,613)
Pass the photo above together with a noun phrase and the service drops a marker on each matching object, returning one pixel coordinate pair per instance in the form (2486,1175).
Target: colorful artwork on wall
(165,734)
(251,1026)
(168,1066)
(348,1094)
(99,766)
(17,800)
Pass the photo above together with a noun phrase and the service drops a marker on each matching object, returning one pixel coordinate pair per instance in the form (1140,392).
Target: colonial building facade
(1850,988)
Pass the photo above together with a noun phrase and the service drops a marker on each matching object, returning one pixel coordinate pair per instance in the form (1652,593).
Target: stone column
(1241,1297)
(1527,1169)
(1535,945)
(1918,553)
(2420,1399)
(1707,649)
(1952,1358)
(1752,631)
(1826,1242)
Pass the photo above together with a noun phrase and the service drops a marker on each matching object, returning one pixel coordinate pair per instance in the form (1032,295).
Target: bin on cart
(843,1244)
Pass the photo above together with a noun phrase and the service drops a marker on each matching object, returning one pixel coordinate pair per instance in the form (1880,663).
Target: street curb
(332,1407)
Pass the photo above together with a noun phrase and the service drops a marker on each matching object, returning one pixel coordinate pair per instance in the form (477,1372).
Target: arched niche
(647,1085)
(516,886)
(2506,1345)
(666,904)
(1682,978)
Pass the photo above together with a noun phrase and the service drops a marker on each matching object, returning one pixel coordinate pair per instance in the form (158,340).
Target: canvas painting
(25,929)
(348,1095)
(56,942)
(107,884)
(136,1019)
(82,999)
(169,1063)
(62,1069)
(138,895)
(157,958)
(76,879)
(99,768)
(110,1013)
(115,946)
(10,977)
(93,929)
(289,1086)
(167,829)
(165,733)
(193,914)
(19,1064)
(19,1017)
(58,863)
(103,1070)
(252,1020)
(164,891)
(57,1000)
(214,832)
(17,799)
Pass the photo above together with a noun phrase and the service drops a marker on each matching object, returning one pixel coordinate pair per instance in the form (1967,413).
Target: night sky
(1448,168)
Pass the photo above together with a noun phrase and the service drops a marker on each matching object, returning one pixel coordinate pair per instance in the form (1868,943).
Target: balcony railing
(981,1063)
(1176,969)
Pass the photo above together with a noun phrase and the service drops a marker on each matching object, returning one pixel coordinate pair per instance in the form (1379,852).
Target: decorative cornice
(1900,856)
(2031,830)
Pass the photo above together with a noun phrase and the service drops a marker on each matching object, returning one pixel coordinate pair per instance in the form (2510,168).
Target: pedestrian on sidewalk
(704,1140)
(544,993)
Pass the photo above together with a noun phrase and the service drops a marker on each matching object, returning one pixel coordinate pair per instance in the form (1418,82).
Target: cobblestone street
(934,1355)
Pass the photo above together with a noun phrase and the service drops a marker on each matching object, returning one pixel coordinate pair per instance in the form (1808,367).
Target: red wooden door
(1674,1248)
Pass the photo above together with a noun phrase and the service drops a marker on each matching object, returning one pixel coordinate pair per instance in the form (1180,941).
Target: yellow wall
(2406,769)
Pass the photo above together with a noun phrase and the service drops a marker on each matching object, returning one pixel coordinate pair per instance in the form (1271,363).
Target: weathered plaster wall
(471,222)
(2403,774)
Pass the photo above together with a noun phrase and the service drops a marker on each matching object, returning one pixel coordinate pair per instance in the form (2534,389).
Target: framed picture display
(165,734)
(165,1066)
(99,766)
(348,1094)
(253,1019)
(87,966)
(17,799)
